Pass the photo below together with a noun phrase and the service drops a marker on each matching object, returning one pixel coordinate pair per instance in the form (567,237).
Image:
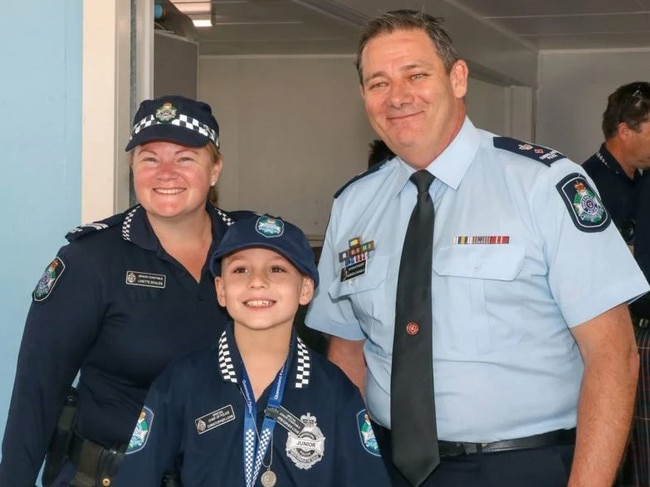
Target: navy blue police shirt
(115,307)
(618,192)
(192,423)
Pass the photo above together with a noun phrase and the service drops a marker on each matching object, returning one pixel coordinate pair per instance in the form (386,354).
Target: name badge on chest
(214,419)
(146,279)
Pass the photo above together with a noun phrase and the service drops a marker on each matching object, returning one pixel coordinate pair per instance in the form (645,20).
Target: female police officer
(122,299)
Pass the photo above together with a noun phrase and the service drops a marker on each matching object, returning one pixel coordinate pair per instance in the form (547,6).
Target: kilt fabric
(636,464)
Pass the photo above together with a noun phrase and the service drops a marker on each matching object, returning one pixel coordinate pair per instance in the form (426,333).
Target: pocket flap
(375,274)
(499,262)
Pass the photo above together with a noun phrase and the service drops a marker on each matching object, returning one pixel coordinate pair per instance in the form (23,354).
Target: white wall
(572,95)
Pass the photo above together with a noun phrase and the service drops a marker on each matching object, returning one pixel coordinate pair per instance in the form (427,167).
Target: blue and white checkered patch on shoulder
(141,432)
(535,152)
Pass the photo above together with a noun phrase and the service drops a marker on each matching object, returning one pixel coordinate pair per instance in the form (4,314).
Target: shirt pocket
(367,294)
(471,297)
(491,262)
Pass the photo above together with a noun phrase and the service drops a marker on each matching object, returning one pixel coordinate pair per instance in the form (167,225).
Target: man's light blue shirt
(512,273)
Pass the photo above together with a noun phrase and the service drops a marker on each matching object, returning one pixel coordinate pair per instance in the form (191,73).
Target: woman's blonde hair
(217,158)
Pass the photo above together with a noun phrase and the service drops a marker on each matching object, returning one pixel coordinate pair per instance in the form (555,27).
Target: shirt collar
(230,362)
(451,165)
(606,157)
(137,229)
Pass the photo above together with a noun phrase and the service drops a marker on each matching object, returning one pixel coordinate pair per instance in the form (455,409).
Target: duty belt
(552,438)
(96,465)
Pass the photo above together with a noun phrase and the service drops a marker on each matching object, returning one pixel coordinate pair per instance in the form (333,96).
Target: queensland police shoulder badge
(141,432)
(366,434)
(586,210)
(307,447)
(48,280)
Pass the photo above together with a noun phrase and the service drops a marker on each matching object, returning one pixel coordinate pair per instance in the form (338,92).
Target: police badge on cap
(174,118)
(269,232)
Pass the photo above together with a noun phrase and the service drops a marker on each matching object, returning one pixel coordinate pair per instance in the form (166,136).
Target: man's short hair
(629,104)
(405,19)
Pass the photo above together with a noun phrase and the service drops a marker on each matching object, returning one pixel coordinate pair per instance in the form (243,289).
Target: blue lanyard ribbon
(253,452)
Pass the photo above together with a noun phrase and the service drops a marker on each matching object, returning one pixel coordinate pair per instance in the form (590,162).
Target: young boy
(259,407)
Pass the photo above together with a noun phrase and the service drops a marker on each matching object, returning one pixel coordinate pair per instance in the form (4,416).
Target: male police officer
(531,333)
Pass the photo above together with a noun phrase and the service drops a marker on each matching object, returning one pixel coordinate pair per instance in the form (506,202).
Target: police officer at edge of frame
(616,168)
(123,298)
(531,332)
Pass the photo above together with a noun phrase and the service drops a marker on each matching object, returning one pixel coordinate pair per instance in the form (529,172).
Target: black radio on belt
(57,453)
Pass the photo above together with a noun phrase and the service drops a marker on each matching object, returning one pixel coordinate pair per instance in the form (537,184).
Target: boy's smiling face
(261,289)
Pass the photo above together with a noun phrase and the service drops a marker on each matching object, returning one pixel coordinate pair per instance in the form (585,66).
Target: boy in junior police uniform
(258,407)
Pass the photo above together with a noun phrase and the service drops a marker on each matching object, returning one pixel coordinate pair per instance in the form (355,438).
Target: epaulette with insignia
(372,169)
(536,152)
(237,215)
(88,228)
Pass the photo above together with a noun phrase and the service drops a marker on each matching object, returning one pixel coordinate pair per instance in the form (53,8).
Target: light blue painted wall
(40,155)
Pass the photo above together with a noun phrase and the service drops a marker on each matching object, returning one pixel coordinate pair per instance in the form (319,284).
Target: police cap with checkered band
(174,118)
(268,232)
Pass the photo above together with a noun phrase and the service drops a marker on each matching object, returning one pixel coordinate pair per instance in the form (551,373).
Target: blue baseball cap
(271,233)
(174,118)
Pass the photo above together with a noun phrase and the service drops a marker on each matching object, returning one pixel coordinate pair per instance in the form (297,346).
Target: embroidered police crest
(141,431)
(586,210)
(366,434)
(307,447)
(269,227)
(48,280)
(166,113)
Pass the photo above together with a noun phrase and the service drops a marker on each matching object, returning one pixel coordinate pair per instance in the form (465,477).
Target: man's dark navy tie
(413,415)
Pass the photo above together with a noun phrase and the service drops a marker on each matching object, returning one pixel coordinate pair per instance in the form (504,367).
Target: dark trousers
(539,467)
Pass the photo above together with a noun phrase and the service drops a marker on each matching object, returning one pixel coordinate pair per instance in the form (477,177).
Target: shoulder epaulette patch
(48,280)
(237,215)
(372,169)
(366,433)
(141,432)
(585,208)
(536,152)
(88,228)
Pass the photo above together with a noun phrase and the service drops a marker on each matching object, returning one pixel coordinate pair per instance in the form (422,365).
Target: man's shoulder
(329,375)
(527,150)
(364,176)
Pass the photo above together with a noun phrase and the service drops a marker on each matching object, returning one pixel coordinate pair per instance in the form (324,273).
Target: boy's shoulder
(329,375)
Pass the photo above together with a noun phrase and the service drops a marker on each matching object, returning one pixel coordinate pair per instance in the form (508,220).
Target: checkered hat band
(183,121)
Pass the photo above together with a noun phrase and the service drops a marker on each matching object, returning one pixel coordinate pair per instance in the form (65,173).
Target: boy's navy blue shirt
(193,423)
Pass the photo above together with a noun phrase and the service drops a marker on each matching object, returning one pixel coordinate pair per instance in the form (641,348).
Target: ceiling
(258,27)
